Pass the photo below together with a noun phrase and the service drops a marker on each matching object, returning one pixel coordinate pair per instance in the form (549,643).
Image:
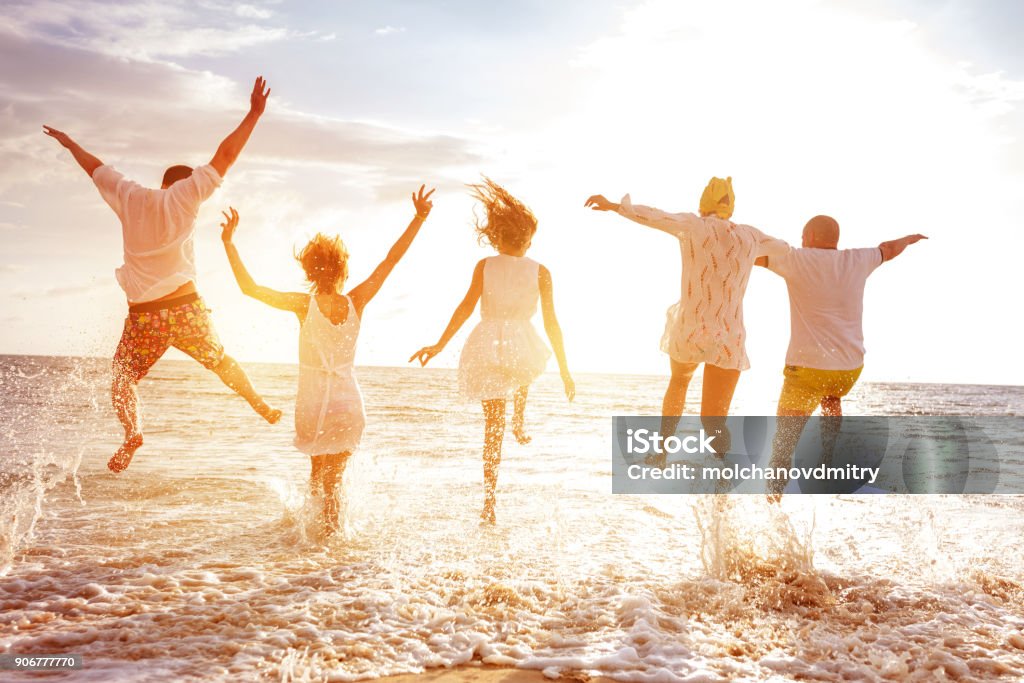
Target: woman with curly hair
(504,354)
(329,415)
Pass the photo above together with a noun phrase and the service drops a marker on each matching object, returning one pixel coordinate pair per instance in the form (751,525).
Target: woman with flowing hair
(504,354)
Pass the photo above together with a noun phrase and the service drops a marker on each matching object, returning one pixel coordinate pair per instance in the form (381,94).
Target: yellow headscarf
(718,198)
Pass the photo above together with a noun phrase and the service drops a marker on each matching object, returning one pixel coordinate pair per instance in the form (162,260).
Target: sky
(893,117)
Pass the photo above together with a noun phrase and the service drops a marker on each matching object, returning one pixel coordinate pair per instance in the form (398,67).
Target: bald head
(821,232)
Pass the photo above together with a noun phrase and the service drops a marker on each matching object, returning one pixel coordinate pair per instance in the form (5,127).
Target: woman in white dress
(504,354)
(329,417)
(706,325)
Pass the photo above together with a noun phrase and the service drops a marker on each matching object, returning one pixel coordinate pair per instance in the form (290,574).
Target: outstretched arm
(87,161)
(232,145)
(675,224)
(554,330)
(287,301)
(894,248)
(459,318)
(366,290)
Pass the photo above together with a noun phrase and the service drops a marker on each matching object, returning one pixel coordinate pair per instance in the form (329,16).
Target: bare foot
(120,461)
(658,460)
(328,527)
(271,415)
(487,517)
(521,436)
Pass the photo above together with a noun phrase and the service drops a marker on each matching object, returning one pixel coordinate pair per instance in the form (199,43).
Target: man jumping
(159,273)
(826,343)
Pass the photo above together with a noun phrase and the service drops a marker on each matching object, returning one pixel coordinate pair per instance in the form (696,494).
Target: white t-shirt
(826,305)
(157,227)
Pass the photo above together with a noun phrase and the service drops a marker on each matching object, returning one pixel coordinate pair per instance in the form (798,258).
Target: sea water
(201,560)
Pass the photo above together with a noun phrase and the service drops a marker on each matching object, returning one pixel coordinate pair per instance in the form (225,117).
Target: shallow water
(200,562)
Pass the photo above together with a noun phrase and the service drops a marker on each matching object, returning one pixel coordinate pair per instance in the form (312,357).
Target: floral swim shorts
(184,324)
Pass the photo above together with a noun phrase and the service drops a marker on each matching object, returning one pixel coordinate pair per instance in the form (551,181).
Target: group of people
(504,354)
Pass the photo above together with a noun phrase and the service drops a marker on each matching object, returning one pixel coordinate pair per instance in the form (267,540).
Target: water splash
(773,563)
(34,394)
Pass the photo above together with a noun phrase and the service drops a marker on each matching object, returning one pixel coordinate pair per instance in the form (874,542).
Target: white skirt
(499,357)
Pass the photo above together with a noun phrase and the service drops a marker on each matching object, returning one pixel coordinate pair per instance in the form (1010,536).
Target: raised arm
(459,318)
(87,161)
(366,290)
(232,145)
(554,330)
(675,224)
(894,248)
(295,302)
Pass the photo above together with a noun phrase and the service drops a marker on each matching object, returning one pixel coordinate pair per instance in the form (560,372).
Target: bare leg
(519,416)
(494,431)
(788,428)
(332,471)
(232,374)
(316,475)
(125,397)
(831,424)
(716,399)
(673,404)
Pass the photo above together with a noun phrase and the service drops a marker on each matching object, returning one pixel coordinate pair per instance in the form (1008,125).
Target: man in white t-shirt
(826,342)
(159,273)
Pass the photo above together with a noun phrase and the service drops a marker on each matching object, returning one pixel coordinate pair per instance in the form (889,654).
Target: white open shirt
(706,326)
(157,227)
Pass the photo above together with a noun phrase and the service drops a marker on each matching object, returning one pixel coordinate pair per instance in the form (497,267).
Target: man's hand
(598,203)
(87,161)
(894,248)
(229,149)
(229,224)
(63,138)
(422,201)
(258,98)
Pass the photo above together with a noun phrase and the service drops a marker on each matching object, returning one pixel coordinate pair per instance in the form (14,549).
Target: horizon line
(411,367)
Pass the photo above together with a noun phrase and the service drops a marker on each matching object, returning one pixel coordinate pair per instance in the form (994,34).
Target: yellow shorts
(804,388)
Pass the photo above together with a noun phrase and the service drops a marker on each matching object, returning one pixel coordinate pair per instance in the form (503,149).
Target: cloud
(144,31)
(158,113)
(252,12)
(389,30)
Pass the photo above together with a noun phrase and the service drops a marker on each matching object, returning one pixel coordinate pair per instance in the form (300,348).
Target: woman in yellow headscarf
(706,325)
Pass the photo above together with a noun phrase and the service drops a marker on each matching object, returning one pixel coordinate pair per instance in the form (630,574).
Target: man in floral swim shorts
(158,275)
